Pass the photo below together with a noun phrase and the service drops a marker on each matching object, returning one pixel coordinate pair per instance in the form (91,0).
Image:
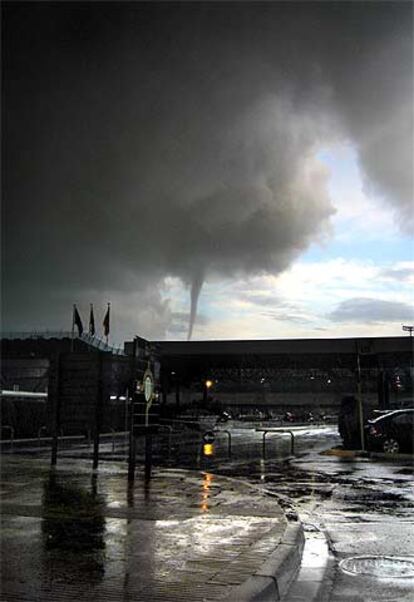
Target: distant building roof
(365,345)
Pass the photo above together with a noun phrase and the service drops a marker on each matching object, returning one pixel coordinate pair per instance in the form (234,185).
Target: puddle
(379,566)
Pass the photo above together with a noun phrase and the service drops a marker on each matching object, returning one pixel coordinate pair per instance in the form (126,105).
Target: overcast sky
(248,164)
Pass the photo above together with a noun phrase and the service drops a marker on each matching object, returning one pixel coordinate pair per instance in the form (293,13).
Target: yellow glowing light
(204,507)
(207,477)
(208,449)
(209,383)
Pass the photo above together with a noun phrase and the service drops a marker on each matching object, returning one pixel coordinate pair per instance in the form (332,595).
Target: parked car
(391,432)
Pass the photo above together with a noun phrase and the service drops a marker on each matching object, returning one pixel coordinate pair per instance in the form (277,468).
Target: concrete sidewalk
(187,536)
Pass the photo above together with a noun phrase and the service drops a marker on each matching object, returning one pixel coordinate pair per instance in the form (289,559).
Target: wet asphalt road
(362,506)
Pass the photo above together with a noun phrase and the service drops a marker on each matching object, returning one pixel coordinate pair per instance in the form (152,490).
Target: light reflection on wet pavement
(73,536)
(146,560)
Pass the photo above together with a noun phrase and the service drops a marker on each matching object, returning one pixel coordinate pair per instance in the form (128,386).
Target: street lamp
(206,386)
(410,330)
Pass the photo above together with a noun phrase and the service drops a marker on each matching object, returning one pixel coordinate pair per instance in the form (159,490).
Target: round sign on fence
(148,385)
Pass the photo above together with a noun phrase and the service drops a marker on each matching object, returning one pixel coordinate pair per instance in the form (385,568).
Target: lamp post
(410,329)
(359,399)
(207,385)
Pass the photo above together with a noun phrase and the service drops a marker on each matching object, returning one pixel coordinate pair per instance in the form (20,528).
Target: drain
(379,566)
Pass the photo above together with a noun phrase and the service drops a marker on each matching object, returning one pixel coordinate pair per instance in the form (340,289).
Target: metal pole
(131,399)
(148,456)
(132,442)
(264,445)
(98,415)
(57,407)
(292,443)
(360,408)
(126,417)
(229,442)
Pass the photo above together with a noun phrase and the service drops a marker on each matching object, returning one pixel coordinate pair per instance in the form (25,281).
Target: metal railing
(216,430)
(63,334)
(276,431)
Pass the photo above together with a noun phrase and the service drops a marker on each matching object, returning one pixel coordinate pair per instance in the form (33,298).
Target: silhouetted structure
(93,381)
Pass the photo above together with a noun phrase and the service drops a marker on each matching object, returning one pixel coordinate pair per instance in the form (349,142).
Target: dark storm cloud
(368,311)
(143,139)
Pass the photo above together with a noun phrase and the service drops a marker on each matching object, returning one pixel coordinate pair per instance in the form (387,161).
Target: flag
(91,322)
(106,321)
(77,320)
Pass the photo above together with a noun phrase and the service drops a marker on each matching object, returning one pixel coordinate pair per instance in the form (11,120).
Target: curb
(316,572)
(358,453)
(271,582)
(390,457)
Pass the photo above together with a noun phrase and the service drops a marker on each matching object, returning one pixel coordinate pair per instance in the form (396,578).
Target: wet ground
(362,506)
(70,535)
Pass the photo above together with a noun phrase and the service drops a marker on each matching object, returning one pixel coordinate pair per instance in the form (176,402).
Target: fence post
(57,408)
(98,414)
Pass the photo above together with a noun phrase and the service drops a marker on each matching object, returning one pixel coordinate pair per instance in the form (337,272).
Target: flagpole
(109,313)
(73,327)
(91,321)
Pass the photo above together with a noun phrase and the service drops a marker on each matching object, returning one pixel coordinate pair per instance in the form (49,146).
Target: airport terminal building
(240,375)
(291,373)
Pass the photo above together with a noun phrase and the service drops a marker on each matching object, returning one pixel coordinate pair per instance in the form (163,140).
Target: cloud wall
(152,140)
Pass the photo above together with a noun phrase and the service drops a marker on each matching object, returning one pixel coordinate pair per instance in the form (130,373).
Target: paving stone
(188,536)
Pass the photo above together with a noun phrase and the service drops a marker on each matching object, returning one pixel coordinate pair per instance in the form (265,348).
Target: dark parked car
(391,432)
